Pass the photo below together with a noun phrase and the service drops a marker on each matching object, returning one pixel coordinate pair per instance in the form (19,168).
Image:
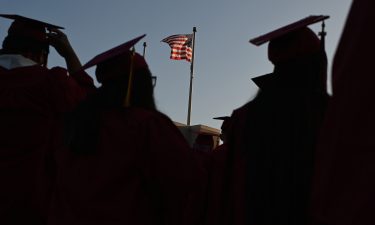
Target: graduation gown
(226,190)
(32,99)
(216,168)
(344,184)
(279,143)
(142,172)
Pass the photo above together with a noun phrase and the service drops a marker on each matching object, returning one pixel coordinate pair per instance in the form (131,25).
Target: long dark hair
(83,124)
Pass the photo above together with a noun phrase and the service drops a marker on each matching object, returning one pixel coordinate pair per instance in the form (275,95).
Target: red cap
(114,68)
(113,52)
(30,28)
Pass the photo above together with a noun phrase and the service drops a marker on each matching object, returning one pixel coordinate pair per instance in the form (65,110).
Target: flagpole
(144,49)
(191,77)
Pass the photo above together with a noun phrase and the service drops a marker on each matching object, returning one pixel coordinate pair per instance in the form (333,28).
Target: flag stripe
(180,46)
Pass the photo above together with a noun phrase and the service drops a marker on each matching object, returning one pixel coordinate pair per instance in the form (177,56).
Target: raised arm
(60,42)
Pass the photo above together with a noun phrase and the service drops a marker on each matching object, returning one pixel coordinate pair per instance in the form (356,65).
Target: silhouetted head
(115,72)
(293,41)
(298,55)
(124,75)
(27,37)
(225,127)
(294,45)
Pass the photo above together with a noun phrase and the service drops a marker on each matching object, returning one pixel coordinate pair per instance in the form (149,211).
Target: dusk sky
(225,61)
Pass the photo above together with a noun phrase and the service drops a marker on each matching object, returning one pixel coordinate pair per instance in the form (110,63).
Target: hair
(17,44)
(114,74)
(83,124)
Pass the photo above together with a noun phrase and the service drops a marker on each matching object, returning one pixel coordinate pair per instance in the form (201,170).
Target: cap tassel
(130,81)
(323,81)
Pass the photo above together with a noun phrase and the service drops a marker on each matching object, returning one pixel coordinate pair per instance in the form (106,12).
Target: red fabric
(142,173)
(226,191)
(216,192)
(31,102)
(344,187)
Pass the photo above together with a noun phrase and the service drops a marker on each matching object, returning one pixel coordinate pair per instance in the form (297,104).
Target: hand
(60,42)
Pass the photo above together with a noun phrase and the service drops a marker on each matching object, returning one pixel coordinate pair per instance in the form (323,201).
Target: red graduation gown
(226,194)
(31,101)
(344,184)
(143,172)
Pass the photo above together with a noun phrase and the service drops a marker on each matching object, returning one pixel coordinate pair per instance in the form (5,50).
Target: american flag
(180,46)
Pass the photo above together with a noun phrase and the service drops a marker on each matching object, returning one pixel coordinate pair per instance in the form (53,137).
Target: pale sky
(225,61)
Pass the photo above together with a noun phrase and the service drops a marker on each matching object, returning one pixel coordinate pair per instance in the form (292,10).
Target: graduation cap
(221,118)
(124,58)
(287,29)
(226,121)
(263,80)
(292,41)
(112,53)
(27,27)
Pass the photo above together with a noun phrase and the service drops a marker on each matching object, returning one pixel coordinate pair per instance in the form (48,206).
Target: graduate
(344,184)
(274,135)
(125,162)
(33,99)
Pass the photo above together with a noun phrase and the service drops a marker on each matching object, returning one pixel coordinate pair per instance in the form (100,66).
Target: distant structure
(191,132)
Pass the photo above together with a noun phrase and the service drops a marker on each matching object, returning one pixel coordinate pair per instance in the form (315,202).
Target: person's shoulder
(40,71)
(29,69)
(241,111)
(27,75)
(222,147)
(58,70)
(155,118)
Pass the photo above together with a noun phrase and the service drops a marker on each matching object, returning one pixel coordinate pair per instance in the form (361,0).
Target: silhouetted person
(281,128)
(225,126)
(203,143)
(226,194)
(222,200)
(126,162)
(32,101)
(344,184)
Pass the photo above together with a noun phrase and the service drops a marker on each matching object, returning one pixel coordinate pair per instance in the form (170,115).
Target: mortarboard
(287,29)
(112,53)
(221,118)
(263,80)
(226,121)
(131,60)
(292,41)
(27,27)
